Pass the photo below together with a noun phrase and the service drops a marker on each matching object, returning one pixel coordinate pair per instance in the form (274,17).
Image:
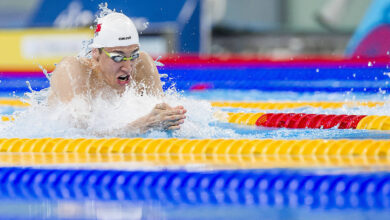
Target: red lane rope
(301,120)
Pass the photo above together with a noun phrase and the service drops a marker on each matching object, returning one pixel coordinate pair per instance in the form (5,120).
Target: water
(130,210)
(105,115)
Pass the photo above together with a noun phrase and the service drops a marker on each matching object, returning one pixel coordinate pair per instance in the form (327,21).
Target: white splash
(157,62)
(103,117)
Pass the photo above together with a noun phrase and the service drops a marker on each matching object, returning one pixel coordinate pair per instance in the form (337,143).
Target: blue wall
(157,12)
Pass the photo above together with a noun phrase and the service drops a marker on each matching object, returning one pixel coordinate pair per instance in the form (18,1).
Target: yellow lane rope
(13,102)
(204,147)
(215,161)
(274,105)
(7,118)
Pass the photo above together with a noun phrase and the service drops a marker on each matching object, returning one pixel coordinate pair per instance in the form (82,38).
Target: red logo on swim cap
(98,28)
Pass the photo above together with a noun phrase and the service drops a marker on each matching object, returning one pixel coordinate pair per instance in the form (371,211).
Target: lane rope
(264,188)
(302,120)
(274,105)
(226,161)
(208,147)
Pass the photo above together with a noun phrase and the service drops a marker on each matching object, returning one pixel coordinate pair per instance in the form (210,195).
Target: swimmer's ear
(95,54)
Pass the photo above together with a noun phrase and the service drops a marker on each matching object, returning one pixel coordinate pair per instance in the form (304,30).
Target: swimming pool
(214,168)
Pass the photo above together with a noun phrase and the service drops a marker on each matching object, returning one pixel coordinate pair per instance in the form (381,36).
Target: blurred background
(42,31)
(37,34)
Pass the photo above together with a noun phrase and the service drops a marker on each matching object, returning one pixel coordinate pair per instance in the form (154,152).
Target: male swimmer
(116,63)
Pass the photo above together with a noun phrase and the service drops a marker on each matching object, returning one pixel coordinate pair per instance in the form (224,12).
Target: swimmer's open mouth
(124,78)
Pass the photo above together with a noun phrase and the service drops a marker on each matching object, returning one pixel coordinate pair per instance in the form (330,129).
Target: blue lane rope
(261,187)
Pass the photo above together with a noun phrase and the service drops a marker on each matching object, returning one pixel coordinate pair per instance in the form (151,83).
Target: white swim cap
(114,30)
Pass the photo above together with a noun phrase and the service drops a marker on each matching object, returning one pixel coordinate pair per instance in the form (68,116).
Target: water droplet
(163,75)
(146,24)
(157,62)
(29,86)
(48,75)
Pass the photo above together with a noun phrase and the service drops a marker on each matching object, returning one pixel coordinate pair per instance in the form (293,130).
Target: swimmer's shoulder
(71,67)
(74,63)
(144,63)
(68,79)
(145,57)
(147,74)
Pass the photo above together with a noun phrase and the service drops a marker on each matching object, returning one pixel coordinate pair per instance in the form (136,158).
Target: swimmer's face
(116,74)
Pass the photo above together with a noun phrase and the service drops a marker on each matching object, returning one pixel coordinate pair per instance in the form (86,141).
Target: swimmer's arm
(66,80)
(147,74)
(162,117)
(137,127)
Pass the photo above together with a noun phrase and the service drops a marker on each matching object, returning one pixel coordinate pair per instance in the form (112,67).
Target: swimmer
(116,63)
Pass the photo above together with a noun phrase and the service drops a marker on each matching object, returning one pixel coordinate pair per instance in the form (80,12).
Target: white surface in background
(155,46)
(51,45)
(55,45)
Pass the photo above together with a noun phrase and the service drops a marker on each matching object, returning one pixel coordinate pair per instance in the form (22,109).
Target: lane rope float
(264,188)
(303,120)
(274,105)
(202,147)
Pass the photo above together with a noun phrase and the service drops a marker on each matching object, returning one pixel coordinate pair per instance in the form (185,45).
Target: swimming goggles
(117,58)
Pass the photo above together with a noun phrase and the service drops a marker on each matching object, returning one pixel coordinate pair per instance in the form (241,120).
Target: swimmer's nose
(127,66)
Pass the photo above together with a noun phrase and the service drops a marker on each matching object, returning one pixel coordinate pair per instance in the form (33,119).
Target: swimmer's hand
(163,117)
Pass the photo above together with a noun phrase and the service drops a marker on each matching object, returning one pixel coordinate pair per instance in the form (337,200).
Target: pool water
(127,210)
(217,129)
(19,201)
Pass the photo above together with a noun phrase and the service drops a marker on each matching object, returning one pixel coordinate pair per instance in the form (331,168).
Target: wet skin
(79,77)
